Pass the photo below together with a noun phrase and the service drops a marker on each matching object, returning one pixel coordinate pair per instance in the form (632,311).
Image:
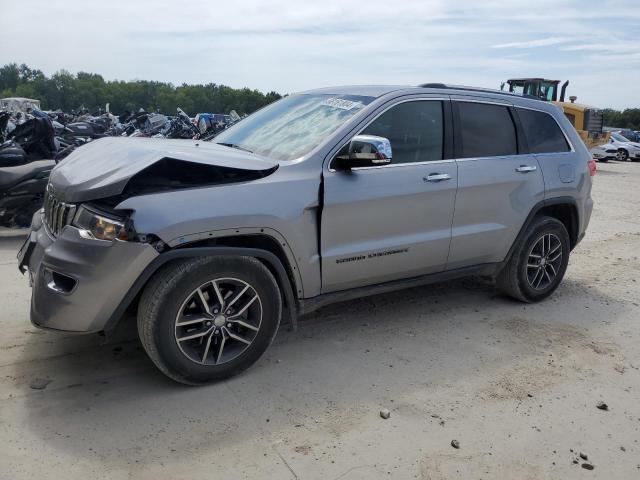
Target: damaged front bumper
(78,283)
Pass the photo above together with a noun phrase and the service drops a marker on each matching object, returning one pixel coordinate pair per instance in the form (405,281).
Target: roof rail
(475,89)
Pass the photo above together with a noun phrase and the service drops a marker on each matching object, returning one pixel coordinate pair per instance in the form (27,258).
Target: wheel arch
(272,261)
(567,213)
(564,209)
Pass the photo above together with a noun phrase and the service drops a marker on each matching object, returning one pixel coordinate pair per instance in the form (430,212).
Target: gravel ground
(516,386)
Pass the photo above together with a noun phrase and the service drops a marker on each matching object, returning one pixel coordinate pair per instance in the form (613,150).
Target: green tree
(69,92)
(628,118)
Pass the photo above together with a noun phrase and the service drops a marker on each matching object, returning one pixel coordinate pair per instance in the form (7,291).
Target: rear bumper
(78,283)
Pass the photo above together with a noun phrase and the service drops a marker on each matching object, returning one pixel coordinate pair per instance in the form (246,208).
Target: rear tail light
(592,167)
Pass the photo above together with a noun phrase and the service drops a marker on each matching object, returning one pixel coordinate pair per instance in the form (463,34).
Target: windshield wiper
(234,145)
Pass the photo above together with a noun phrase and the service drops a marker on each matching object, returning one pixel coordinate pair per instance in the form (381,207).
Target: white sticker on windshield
(341,103)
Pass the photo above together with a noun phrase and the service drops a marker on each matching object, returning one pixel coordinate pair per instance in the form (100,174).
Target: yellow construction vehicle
(588,121)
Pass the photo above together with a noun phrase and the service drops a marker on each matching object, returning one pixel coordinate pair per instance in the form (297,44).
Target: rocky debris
(39,383)
(602,406)
(303,449)
(439,418)
(455,443)
(623,449)
(385,413)
(581,459)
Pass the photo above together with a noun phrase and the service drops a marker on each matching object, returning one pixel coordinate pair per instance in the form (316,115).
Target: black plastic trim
(457,130)
(521,138)
(448,140)
(311,304)
(534,211)
(282,277)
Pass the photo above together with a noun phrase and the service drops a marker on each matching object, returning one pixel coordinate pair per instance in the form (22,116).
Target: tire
(623,155)
(517,277)
(208,348)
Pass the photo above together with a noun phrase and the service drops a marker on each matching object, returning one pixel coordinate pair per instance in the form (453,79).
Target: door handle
(437,177)
(526,168)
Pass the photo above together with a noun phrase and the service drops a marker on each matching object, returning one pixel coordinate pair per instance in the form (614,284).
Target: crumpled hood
(103,167)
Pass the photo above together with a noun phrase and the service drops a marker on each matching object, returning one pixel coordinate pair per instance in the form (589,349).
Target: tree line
(68,92)
(628,118)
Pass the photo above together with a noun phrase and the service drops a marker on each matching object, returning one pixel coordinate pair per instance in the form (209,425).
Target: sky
(293,45)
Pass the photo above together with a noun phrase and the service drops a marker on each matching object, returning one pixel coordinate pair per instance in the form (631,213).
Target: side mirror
(363,151)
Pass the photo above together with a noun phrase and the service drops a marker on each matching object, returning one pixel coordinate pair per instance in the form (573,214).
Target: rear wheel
(206,319)
(538,262)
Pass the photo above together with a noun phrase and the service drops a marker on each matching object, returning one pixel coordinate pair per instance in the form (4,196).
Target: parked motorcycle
(26,160)
(181,126)
(36,138)
(22,191)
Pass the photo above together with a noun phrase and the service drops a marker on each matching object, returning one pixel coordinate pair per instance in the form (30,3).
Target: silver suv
(320,197)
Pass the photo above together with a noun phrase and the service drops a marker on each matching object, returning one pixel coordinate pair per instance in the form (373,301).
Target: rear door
(393,221)
(499,182)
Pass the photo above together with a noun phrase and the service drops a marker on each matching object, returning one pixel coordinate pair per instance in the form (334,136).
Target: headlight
(99,226)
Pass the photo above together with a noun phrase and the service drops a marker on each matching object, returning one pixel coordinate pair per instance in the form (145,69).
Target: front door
(393,221)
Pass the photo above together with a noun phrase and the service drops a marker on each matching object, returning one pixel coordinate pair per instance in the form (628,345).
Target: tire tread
(163,282)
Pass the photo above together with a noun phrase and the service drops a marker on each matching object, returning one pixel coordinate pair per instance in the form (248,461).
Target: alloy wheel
(622,155)
(544,261)
(218,321)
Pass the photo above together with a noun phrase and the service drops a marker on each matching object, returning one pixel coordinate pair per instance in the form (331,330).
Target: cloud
(542,42)
(292,45)
(611,46)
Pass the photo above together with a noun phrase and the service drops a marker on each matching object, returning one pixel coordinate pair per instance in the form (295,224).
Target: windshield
(292,127)
(620,138)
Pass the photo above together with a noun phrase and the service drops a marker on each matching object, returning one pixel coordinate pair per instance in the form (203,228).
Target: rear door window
(415,130)
(542,132)
(486,130)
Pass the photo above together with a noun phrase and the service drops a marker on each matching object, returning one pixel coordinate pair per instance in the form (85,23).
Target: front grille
(56,213)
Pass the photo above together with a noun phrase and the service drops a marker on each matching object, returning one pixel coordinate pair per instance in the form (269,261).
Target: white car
(604,153)
(627,150)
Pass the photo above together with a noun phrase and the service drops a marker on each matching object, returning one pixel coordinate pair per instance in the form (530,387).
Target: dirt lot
(517,385)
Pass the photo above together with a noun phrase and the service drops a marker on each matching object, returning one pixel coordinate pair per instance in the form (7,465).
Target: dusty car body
(327,225)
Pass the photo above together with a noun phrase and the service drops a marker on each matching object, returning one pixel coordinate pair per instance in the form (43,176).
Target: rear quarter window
(542,132)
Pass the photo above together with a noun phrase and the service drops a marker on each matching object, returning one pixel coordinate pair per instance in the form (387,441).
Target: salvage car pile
(32,141)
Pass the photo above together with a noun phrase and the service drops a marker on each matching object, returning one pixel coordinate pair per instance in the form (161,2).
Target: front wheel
(622,155)
(208,318)
(538,262)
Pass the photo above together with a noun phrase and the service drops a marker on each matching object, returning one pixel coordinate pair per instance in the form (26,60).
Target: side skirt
(308,305)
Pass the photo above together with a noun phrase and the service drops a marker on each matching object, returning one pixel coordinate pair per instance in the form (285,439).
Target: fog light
(59,282)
